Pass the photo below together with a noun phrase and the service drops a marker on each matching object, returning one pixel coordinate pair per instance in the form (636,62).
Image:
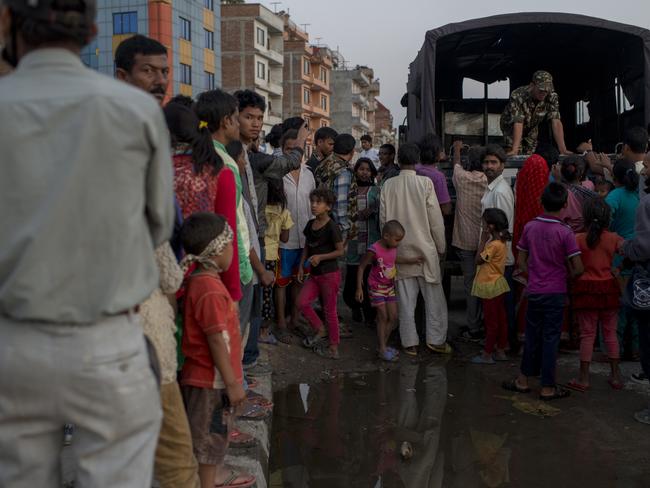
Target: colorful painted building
(190,29)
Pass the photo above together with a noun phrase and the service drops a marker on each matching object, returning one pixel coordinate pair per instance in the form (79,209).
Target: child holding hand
(323,246)
(491,286)
(382,256)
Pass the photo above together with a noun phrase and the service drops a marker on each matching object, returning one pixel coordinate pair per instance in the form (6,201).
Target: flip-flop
(268,339)
(258,399)
(411,351)
(240,440)
(282,335)
(512,386)
(616,385)
(254,412)
(229,482)
(574,385)
(558,395)
(389,355)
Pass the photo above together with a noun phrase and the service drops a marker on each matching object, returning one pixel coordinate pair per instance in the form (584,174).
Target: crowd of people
(177,216)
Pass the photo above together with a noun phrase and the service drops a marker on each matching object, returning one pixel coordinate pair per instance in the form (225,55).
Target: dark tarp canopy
(586,56)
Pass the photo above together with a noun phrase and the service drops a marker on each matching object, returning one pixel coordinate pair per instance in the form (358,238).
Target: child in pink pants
(596,293)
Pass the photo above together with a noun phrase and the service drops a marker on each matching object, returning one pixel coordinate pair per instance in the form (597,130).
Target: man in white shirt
(88,179)
(411,200)
(368,151)
(499,195)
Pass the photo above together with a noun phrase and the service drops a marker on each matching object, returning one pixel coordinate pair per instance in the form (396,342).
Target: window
(125,23)
(209,81)
(209,4)
(261,70)
(261,37)
(323,102)
(209,39)
(622,103)
(582,112)
(323,75)
(186,74)
(305,66)
(306,96)
(186,29)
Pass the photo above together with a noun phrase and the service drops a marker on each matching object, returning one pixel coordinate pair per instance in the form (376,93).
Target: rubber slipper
(411,351)
(616,385)
(388,355)
(558,395)
(254,412)
(268,339)
(240,440)
(324,351)
(247,480)
(512,386)
(574,385)
(258,399)
(282,335)
(481,360)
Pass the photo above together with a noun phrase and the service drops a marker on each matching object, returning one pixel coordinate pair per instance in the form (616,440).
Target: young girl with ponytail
(596,293)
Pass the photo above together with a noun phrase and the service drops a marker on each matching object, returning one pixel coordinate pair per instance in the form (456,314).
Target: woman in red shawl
(531,181)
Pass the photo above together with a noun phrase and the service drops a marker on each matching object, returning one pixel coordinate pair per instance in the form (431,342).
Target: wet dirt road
(463,430)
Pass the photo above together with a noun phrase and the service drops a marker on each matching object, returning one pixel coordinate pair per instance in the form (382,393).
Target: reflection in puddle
(378,430)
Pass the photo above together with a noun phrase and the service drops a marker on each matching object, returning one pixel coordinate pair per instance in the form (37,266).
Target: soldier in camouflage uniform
(529,107)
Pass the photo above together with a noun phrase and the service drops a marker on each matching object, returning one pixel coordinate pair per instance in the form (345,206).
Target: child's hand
(359,295)
(301,275)
(267,278)
(236,394)
(315,260)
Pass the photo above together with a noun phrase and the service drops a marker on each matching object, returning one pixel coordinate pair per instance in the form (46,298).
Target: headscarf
(215,248)
(531,181)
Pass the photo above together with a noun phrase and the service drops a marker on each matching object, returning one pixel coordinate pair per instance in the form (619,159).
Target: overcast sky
(387,34)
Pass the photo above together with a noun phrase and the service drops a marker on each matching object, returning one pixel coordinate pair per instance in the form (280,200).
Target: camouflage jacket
(523,108)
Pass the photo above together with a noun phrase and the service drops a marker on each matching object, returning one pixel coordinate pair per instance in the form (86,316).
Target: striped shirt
(470,188)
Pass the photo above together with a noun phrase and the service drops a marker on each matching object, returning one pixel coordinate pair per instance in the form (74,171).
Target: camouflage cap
(543,81)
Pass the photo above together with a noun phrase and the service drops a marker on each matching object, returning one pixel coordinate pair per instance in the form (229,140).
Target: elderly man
(529,107)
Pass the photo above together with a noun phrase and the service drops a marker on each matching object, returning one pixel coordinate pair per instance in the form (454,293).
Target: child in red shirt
(596,293)
(211,378)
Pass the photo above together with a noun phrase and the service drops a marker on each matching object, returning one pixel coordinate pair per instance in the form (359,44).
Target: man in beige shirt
(87,194)
(411,200)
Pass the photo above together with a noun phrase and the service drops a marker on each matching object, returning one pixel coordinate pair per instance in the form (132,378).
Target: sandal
(324,351)
(513,386)
(313,341)
(616,385)
(240,440)
(389,355)
(411,351)
(268,339)
(443,348)
(574,385)
(282,335)
(253,411)
(247,480)
(557,395)
(258,399)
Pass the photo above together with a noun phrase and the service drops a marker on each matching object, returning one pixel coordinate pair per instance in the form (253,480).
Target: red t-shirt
(598,262)
(208,310)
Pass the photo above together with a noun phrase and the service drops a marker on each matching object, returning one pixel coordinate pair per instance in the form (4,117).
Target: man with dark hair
(74,338)
(635,146)
(335,175)
(528,108)
(498,194)
(387,168)
(470,184)
(182,100)
(411,200)
(324,146)
(142,62)
(367,151)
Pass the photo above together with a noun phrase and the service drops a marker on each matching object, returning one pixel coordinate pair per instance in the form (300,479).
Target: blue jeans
(252,350)
(543,328)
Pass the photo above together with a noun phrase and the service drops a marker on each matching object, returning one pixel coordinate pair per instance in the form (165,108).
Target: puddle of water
(462,431)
